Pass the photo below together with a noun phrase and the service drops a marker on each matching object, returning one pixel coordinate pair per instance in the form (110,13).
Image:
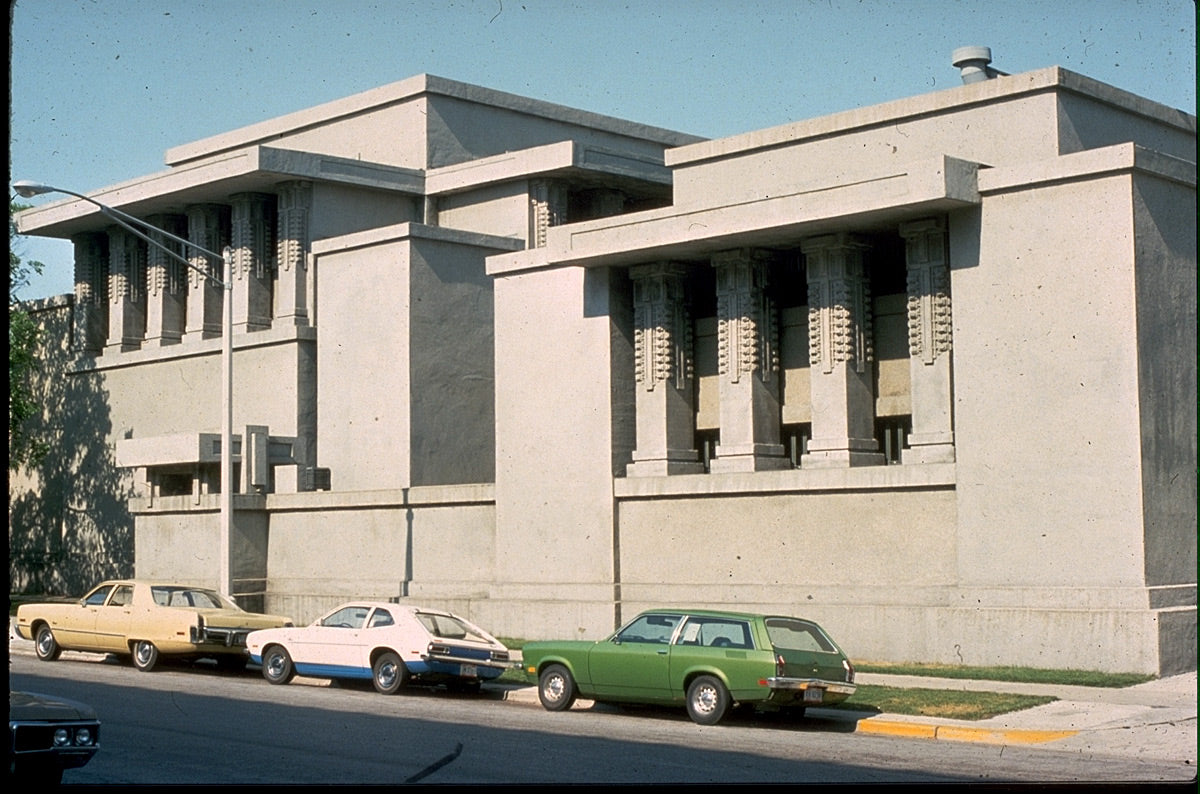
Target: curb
(958,733)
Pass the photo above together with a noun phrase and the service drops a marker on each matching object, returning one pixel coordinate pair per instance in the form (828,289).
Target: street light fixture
(136,226)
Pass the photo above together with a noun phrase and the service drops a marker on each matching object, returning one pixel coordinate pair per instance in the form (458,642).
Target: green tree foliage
(23,447)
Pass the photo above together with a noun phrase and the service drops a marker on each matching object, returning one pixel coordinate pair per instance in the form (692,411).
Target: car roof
(716,613)
(392,606)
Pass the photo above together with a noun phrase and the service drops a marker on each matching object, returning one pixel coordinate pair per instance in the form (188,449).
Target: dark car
(48,734)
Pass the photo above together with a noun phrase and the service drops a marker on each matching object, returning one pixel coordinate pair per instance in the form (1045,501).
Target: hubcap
(45,642)
(706,700)
(143,652)
(555,687)
(275,664)
(387,675)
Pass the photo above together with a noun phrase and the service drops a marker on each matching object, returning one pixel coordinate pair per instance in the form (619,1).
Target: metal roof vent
(973,61)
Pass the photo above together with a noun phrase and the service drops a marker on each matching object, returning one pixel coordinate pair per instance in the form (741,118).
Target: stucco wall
(329,548)
(452,398)
(497,209)
(554,508)
(1045,387)
(1164,218)
(363,365)
(1017,130)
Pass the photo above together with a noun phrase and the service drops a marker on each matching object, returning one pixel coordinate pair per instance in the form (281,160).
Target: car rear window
(790,634)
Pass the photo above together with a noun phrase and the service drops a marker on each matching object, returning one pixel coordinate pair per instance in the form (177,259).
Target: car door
(634,663)
(334,645)
(720,644)
(75,625)
(113,619)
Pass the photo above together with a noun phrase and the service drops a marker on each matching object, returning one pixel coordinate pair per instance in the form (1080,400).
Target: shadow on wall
(69,524)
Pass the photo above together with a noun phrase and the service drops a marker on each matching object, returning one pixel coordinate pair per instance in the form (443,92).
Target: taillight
(849,671)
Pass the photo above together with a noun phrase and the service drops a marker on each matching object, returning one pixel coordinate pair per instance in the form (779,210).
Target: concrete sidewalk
(1154,721)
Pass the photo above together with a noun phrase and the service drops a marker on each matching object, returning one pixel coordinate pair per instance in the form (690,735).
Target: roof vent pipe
(973,61)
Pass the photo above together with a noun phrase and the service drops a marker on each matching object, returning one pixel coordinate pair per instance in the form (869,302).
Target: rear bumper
(808,691)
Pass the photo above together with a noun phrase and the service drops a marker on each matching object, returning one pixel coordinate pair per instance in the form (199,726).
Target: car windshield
(790,634)
(175,596)
(449,627)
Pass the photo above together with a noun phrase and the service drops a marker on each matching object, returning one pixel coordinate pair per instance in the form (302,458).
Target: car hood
(36,706)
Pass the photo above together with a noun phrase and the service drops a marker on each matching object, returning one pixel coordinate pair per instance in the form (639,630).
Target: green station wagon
(704,659)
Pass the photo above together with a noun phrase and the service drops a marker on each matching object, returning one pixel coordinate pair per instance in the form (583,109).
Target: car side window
(96,597)
(381,617)
(656,629)
(347,618)
(122,596)
(716,633)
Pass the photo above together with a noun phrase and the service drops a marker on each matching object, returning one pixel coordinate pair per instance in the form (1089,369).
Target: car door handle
(662,652)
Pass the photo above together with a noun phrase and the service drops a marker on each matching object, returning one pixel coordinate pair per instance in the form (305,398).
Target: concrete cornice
(1090,164)
(412,231)
(564,157)
(934,103)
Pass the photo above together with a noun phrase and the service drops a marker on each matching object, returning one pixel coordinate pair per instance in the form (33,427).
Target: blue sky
(102,88)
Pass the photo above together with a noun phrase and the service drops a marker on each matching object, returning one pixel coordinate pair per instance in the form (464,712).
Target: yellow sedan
(145,620)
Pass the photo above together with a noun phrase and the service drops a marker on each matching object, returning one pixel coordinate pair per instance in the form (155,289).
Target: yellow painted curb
(957,733)
(897,728)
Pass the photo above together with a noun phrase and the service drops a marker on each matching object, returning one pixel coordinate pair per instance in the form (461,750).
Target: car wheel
(145,655)
(277,665)
(388,673)
(707,700)
(47,647)
(556,688)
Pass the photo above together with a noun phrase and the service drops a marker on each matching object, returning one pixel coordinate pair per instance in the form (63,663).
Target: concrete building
(923,371)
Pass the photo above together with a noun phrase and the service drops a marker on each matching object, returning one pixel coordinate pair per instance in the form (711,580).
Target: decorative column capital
(662,325)
(839,302)
(748,324)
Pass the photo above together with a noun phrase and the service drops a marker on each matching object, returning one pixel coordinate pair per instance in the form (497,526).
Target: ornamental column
(90,325)
(126,292)
(748,365)
(547,207)
(664,373)
(841,354)
(291,255)
(166,287)
(208,227)
(930,335)
(252,226)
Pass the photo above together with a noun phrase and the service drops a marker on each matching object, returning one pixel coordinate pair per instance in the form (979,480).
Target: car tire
(46,646)
(145,655)
(277,665)
(707,700)
(556,688)
(388,674)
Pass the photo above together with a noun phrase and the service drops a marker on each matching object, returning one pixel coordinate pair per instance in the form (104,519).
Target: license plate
(812,695)
(468,671)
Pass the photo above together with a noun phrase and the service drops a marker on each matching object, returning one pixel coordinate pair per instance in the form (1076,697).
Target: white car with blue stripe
(388,643)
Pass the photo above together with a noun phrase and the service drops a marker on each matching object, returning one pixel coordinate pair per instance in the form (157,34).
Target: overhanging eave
(929,186)
(254,169)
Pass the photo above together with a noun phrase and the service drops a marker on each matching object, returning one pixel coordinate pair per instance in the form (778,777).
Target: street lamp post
(136,226)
